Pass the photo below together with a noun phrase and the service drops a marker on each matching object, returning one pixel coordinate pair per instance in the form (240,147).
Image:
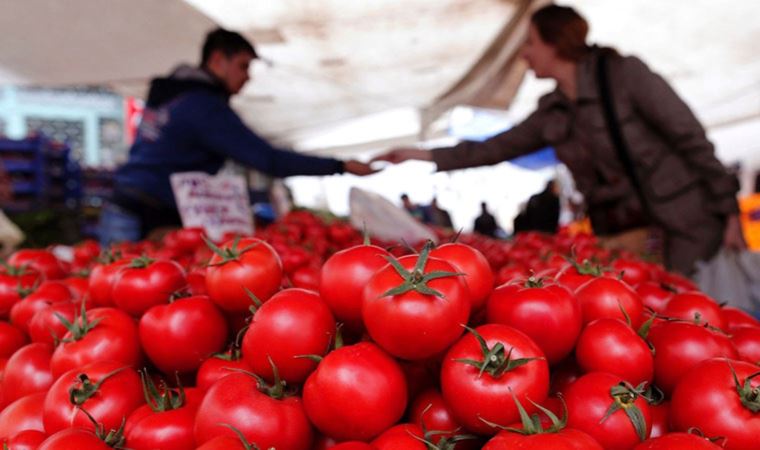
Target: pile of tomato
(306,336)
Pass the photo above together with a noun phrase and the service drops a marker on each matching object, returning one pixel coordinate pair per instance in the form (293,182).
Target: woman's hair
(564,29)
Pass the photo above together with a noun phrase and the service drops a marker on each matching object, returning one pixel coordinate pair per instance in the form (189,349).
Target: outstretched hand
(358,168)
(401,154)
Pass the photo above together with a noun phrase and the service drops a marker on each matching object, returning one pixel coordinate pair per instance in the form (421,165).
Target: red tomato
(306,277)
(248,264)
(429,412)
(27,372)
(25,440)
(654,295)
(695,307)
(356,392)
(165,426)
(15,283)
(146,283)
(74,439)
(42,261)
(108,391)
(517,367)
(48,293)
(607,297)
(660,419)
(46,324)
(196,281)
(11,339)
(102,278)
(747,342)
(576,275)
(403,303)
(477,272)
(677,441)
(293,323)
(354,445)
(609,345)
(188,240)
(566,439)
(735,317)
(718,403)
(550,315)
(98,334)
(589,401)
(401,437)
(224,443)
(343,278)
(23,414)
(219,366)
(632,271)
(78,286)
(86,252)
(263,415)
(679,346)
(179,336)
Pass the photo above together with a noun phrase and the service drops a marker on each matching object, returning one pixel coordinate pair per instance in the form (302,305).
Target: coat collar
(587,84)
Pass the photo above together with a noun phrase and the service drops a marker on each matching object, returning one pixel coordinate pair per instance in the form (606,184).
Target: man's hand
(401,154)
(358,168)
(733,238)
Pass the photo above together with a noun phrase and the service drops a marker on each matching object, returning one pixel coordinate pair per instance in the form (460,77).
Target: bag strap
(613,127)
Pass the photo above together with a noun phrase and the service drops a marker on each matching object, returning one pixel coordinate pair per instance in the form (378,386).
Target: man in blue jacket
(188,125)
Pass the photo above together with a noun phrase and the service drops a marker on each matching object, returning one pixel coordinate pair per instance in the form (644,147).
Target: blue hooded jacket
(187,126)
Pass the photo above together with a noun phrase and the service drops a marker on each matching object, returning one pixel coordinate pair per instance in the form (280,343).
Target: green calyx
(417,279)
(80,326)
(112,438)
(167,399)
(276,390)
(78,395)
(231,253)
(531,424)
(141,263)
(625,396)
(497,360)
(749,396)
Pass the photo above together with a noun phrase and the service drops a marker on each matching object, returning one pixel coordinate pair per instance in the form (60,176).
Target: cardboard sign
(218,203)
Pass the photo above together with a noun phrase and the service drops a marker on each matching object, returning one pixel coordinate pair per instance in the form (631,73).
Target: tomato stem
(78,396)
(496,360)
(417,279)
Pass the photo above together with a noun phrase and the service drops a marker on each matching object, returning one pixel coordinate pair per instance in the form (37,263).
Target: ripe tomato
(414,308)
(23,414)
(46,324)
(263,415)
(42,261)
(15,284)
(679,346)
(677,441)
(11,339)
(633,271)
(293,323)
(179,336)
(576,275)
(717,402)
(695,307)
(747,342)
(356,392)
(477,272)
(515,366)
(219,366)
(735,317)
(47,293)
(75,439)
(566,439)
(96,335)
(27,372)
(613,413)
(239,265)
(607,297)
(102,278)
(343,278)
(146,283)
(654,295)
(609,345)
(108,391)
(166,422)
(660,419)
(404,436)
(225,443)
(550,315)
(429,412)
(25,440)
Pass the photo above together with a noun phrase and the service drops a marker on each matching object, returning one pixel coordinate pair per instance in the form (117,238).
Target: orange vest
(750,219)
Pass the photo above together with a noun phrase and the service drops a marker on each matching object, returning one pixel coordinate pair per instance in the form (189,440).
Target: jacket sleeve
(222,130)
(524,138)
(662,108)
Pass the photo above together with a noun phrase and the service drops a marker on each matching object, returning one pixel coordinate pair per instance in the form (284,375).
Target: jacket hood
(183,79)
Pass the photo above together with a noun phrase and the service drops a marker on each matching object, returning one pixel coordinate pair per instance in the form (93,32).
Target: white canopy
(339,72)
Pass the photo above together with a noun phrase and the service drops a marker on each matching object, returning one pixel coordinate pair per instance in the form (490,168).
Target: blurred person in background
(439,216)
(485,223)
(188,125)
(636,151)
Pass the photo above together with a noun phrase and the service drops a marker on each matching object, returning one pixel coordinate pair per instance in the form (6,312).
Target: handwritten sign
(218,203)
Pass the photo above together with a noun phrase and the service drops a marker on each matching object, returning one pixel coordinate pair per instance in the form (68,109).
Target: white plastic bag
(732,277)
(384,220)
